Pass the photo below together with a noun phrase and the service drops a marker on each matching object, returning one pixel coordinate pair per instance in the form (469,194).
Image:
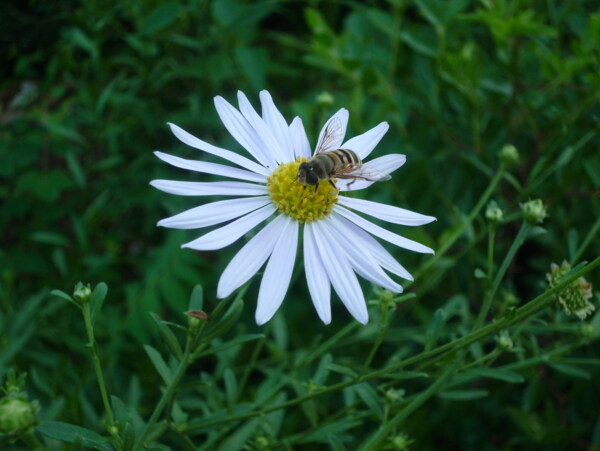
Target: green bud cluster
(575,297)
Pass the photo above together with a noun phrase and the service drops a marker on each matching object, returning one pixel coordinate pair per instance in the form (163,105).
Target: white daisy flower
(337,243)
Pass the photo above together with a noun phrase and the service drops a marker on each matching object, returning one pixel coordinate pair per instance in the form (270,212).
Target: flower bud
(393,395)
(83,293)
(534,211)
(574,298)
(504,341)
(17,415)
(493,213)
(509,155)
(196,318)
(587,331)
(401,442)
(325,99)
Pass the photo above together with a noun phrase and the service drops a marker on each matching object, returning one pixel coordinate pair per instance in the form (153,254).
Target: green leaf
(159,364)
(121,411)
(316,22)
(570,370)
(342,370)
(325,430)
(420,43)
(159,18)
(55,239)
(70,433)
(75,169)
(168,336)
(196,298)
(253,64)
(335,444)
(65,296)
(231,388)
(463,395)
(434,328)
(219,326)
(370,398)
(84,42)
(97,301)
(497,373)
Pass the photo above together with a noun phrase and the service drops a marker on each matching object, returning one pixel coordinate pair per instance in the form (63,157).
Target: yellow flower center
(301,202)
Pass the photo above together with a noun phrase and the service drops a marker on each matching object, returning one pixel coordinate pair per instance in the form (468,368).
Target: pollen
(300,202)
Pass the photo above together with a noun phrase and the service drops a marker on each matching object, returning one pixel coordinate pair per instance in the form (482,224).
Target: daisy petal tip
(364,320)
(222,293)
(262,318)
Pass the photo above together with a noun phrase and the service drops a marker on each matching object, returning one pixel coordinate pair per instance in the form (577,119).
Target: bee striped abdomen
(341,159)
(344,158)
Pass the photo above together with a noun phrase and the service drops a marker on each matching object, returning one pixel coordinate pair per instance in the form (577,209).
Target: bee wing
(362,173)
(332,136)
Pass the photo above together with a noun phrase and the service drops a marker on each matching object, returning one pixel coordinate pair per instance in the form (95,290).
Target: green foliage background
(86,91)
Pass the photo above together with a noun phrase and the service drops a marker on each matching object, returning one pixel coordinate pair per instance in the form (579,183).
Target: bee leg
(336,189)
(348,185)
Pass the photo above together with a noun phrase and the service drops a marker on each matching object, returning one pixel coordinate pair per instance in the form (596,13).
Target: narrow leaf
(463,395)
(98,297)
(570,370)
(497,373)
(168,336)
(159,364)
(70,433)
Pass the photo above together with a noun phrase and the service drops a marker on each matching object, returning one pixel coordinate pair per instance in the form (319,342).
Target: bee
(330,163)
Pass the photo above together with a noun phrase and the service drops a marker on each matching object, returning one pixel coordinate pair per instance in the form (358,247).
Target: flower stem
(383,328)
(387,429)
(167,395)
(89,328)
(490,253)
(592,233)
(487,302)
(434,355)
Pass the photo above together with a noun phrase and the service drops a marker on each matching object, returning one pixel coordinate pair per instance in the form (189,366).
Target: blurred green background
(85,94)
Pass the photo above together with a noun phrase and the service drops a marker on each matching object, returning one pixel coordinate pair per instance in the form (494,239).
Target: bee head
(307,175)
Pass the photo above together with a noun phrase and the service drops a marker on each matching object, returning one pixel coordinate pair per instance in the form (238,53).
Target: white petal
(316,276)
(250,258)
(277,124)
(375,249)
(231,232)
(364,144)
(241,130)
(209,188)
(384,212)
(381,232)
(358,256)
(341,275)
(214,213)
(196,143)
(299,139)
(342,116)
(211,168)
(268,145)
(278,272)
(386,164)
